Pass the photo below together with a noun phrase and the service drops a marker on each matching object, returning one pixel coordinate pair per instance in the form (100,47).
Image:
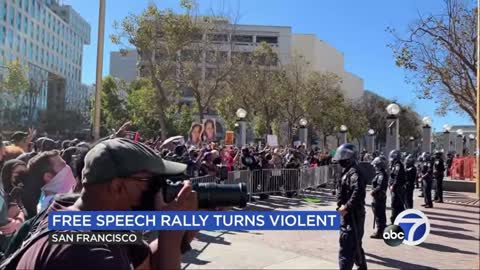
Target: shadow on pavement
(459,210)
(442,248)
(240,231)
(451,220)
(445,227)
(212,239)
(462,205)
(191,258)
(453,235)
(274,202)
(387,262)
(444,215)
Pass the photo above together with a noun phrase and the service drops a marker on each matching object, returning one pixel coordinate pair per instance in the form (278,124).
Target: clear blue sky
(356,28)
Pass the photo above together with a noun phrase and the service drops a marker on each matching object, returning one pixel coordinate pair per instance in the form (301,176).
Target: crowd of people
(40,175)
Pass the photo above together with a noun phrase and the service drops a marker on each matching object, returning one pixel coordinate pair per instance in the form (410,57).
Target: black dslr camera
(210,195)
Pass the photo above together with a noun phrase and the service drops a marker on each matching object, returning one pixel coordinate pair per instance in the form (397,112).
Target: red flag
(137,136)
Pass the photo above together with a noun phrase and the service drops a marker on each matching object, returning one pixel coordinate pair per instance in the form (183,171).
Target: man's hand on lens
(186,200)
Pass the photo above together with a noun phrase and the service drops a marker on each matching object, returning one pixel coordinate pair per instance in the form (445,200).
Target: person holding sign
(119,175)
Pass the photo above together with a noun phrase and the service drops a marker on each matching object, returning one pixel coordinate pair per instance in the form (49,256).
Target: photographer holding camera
(118,176)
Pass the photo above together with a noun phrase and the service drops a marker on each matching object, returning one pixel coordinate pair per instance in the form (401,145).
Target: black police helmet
(379,162)
(346,151)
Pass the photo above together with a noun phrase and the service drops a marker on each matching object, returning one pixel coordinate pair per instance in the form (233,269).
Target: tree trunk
(163,124)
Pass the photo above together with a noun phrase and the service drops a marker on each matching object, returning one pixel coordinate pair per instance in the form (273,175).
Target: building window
(30,51)
(18,43)
(32,8)
(24,47)
(267,39)
(3,12)
(25,5)
(32,29)
(2,35)
(19,21)
(218,37)
(11,15)
(25,25)
(242,39)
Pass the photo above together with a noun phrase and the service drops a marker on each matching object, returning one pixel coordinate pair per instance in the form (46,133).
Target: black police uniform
(438,174)
(427,180)
(351,193)
(379,203)
(410,179)
(397,185)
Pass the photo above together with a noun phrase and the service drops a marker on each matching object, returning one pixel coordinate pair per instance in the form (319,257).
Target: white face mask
(63,182)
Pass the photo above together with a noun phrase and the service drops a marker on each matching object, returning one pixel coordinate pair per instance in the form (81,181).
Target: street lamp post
(343,134)
(371,141)
(303,132)
(427,135)
(412,145)
(471,144)
(393,139)
(447,138)
(459,142)
(242,127)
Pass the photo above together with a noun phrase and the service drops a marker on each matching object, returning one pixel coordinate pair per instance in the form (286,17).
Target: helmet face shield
(345,154)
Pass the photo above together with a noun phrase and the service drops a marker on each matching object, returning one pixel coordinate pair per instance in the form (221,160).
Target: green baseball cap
(122,157)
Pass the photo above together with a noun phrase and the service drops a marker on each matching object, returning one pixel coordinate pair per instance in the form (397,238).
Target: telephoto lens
(211,195)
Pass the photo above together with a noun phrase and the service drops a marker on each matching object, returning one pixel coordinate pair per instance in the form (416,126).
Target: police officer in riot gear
(410,180)
(351,205)
(379,194)
(396,184)
(427,179)
(419,174)
(438,174)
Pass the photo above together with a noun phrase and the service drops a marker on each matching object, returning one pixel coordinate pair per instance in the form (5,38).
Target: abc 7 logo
(416,225)
(393,235)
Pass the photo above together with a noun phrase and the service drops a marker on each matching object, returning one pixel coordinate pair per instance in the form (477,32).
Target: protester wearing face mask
(118,176)
(48,175)
(12,178)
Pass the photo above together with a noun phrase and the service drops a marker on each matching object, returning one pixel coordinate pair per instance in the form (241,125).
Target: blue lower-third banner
(194,220)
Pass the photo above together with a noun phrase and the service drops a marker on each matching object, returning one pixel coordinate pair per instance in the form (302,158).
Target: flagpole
(98,81)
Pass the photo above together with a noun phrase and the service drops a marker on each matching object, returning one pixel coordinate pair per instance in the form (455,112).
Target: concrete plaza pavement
(453,242)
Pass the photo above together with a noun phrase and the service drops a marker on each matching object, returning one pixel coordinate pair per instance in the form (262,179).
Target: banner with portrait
(195,134)
(209,133)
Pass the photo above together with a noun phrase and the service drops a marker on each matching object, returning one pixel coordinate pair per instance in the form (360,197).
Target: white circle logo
(415,224)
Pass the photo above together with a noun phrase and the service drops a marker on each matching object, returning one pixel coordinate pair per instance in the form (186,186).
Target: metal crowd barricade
(235,177)
(315,177)
(204,179)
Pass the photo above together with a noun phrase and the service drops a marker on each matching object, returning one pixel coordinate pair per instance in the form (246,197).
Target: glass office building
(48,38)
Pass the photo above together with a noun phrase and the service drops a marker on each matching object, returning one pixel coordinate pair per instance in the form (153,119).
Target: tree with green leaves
(292,92)
(113,112)
(15,82)
(439,54)
(159,37)
(324,104)
(374,107)
(254,87)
